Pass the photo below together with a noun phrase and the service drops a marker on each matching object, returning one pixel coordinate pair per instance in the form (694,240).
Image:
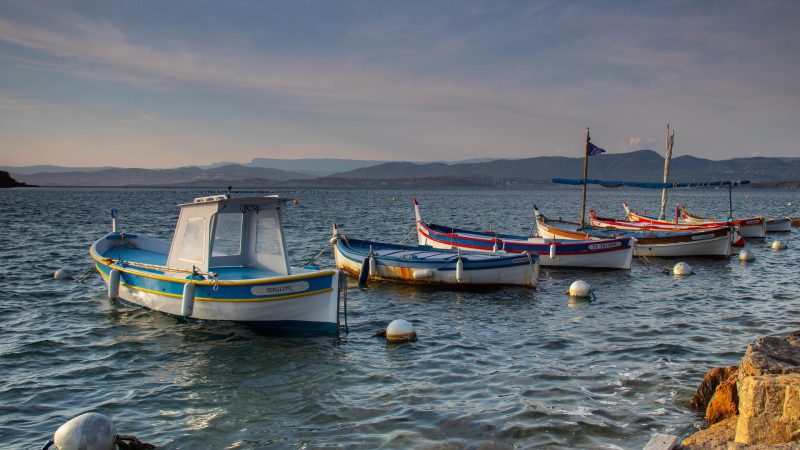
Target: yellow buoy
(295,202)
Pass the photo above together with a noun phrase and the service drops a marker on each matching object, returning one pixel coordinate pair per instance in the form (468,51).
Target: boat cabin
(218,232)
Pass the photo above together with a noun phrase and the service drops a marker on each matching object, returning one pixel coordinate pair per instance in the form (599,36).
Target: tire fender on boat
(423,274)
(363,275)
(553,250)
(113,283)
(187,306)
(459,269)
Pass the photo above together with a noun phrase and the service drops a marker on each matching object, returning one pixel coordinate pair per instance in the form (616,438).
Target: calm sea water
(510,368)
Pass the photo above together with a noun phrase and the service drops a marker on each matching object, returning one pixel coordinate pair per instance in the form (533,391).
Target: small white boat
(425,265)
(614,253)
(781,225)
(227,261)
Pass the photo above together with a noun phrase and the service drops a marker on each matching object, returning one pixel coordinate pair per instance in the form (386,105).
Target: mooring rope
(86,274)
(320,253)
(408,235)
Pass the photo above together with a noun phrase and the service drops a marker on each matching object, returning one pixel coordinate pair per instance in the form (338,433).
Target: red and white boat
(752,227)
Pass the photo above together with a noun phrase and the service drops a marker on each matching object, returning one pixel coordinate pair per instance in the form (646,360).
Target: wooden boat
(780,225)
(426,265)
(752,227)
(649,222)
(227,261)
(714,242)
(615,253)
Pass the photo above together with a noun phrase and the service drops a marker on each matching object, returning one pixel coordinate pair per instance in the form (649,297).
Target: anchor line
(408,235)
(86,274)
(315,258)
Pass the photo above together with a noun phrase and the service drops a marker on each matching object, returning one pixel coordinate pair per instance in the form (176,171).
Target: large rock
(769,409)
(714,437)
(771,355)
(725,402)
(713,378)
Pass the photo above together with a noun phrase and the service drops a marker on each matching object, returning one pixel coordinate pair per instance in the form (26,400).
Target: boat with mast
(649,242)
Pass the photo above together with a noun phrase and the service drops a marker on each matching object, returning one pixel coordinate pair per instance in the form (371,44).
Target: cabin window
(227,235)
(193,241)
(267,236)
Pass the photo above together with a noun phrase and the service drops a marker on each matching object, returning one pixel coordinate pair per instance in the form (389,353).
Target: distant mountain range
(641,165)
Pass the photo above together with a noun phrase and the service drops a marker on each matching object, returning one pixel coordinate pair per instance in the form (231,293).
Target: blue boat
(426,265)
(227,261)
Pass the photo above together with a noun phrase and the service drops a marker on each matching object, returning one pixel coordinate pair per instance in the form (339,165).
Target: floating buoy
(459,269)
(778,245)
(62,274)
(363,275)
(90,431)
(423,274)
(746,255)
(113,283)
(400,330)
(394,199)
(789,204)
(295,202)
(682,269)
(187,306)
(579,288)
(553,250)
(747,197)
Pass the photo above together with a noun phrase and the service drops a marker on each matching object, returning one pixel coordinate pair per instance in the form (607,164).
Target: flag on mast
(595,150)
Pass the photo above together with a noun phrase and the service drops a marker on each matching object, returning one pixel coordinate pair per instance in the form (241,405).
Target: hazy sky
(164,84)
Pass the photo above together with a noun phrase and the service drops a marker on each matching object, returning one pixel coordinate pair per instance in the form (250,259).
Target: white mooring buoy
(746,255)
(90,431)
(400,330)
(62,274)
(682,269)
(579,288)
(778,245)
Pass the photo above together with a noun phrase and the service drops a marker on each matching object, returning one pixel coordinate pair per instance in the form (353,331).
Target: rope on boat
(314,259)
(408,235)
(86,274)
(193,270)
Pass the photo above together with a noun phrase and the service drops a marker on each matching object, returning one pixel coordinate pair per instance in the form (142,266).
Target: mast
(667,159)
(585,175)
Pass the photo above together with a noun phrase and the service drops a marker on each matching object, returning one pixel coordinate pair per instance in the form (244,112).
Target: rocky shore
(6,181)
(755,405)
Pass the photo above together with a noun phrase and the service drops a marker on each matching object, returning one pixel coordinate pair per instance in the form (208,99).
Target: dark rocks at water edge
(6,181)
(753,405)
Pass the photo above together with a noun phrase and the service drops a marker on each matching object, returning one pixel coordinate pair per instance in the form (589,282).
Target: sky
(178,83)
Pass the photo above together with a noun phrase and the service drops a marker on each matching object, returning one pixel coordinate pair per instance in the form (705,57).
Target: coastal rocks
(770,410)
(772,355)
(710,382)
(714,437)
(724,403)
(755,405)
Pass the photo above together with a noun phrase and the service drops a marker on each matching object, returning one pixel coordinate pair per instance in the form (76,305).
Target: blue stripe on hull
(242,292)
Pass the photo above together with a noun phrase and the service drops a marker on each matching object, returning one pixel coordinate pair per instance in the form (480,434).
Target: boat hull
(753,227)
(779,225)
(305,301)
(515,271)
(609,254)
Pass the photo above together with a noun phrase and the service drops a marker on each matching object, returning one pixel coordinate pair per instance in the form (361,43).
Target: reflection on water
(492,368)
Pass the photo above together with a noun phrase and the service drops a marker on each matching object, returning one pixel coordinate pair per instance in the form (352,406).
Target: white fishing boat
(613,253)
(227,261)
(426,265)
(779,225)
